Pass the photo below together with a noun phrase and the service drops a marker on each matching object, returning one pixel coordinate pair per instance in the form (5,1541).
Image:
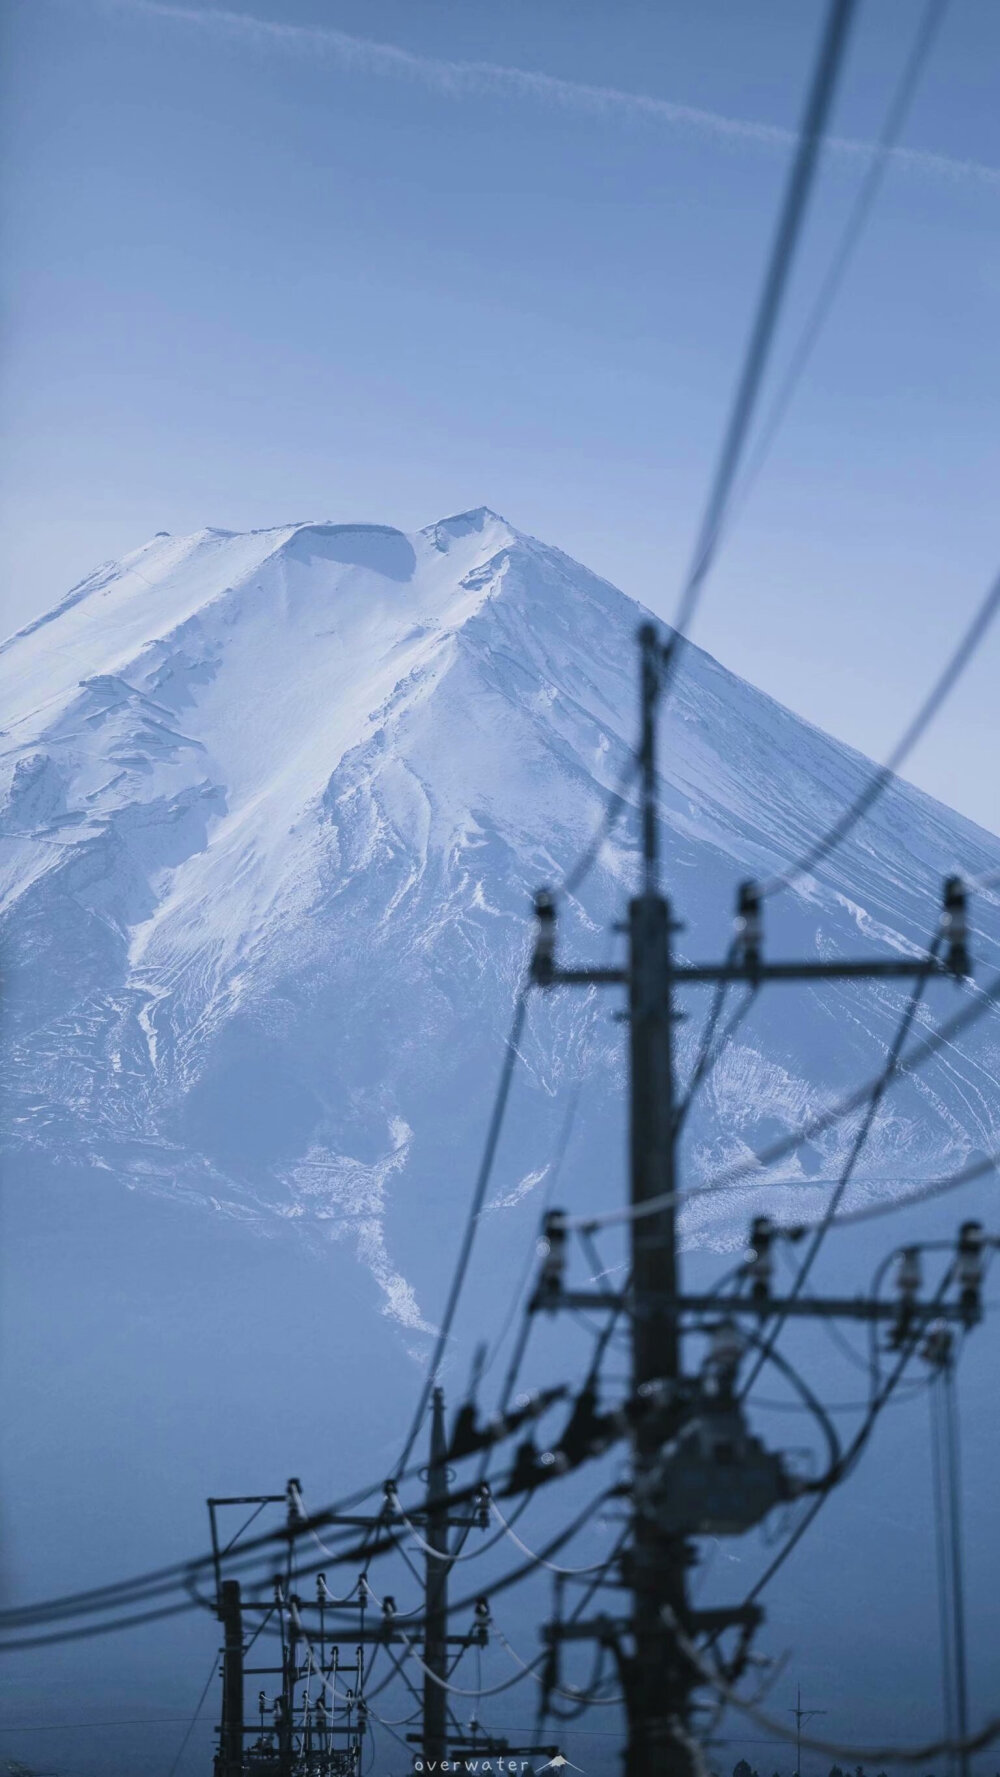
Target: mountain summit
(273,807)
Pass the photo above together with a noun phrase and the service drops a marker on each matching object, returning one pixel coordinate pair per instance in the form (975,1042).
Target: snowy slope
(273,806)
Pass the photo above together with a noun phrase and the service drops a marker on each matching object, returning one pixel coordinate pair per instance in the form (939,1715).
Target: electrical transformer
(713,1478)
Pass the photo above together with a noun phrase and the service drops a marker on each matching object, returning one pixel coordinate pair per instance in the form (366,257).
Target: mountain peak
(276,800)
(477,522)
(476,519)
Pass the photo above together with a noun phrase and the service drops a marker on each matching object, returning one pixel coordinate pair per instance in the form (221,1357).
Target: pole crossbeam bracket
(608,1630)
(891,968)
(761,1308)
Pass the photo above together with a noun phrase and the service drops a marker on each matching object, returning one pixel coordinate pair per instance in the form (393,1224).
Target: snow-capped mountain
(273,808)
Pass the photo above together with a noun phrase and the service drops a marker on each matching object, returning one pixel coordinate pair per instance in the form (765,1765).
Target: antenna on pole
(801,1715)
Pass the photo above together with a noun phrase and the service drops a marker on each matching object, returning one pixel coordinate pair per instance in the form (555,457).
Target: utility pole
(322,1731)
(231,1730)
(435,1723)
(657,1679)
(326,1729)
(696,1469)
(289,1680)
(801,1715)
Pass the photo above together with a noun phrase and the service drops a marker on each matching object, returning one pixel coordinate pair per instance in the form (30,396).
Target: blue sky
(315,269)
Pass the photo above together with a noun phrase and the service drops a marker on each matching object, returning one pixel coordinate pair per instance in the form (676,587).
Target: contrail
(456,80)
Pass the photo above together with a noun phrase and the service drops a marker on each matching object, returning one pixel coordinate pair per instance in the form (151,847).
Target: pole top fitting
(969,1270)
(749,930)
(543,961)
(955,926)
(937,1347)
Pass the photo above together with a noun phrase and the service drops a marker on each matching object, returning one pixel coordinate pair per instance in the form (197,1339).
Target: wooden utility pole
(660,1673)
(658,1681)
(231,1733)
(435,1723)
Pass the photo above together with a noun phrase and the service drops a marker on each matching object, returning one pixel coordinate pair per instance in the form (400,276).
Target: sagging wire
(456,1690)
(299,1508)
(878,165)
(539,1560)
(554,1172)
(613,809)
(554,1175)
(453,1557)
(875,1098)
(749,1172)
(869,1212)
(883,776)
(901,1755)
(907,1350)
(472,1220)
(840,16)
(159,1581)
(585,1698)
(711,1053)
(385,1605)
(770,301)
(810,1400)
(192,1724)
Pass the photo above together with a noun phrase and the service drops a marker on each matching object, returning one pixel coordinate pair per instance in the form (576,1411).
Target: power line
(840,16)
(572,1696)
(968,1175)
(119,1594)
(346,1554)
(472,1219)
(540,1560)
(92,1629)
(194,1719)
(856,1406)
(882,777)
(120,1721)
(613,809)
(875,1098)
(255,1551)
(554,1172)
(755,360)
(786,239)
(371,1545)
(552,1547)
(752,1170)
(711,1052)
(899,107)
(365,1549)
(877,1406)
(686,1429)
(901,1755)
